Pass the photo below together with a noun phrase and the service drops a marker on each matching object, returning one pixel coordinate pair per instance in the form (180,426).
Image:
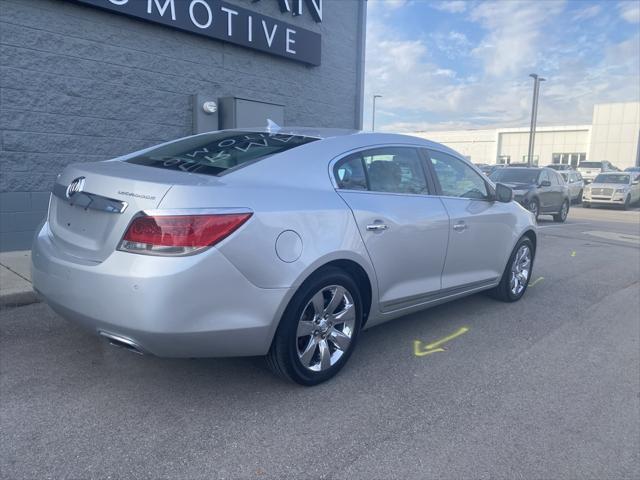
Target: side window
(395,170)
(349,173)
(554,179)
(391,169)
(457,179)
(544,177)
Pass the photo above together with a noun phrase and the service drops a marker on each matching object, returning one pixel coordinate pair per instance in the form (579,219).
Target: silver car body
(228,299)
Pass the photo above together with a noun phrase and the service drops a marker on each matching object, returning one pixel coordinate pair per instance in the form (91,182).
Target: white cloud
(452,6)
(630,11)
(515,33)
(587,13)
(453,44)
(421,92)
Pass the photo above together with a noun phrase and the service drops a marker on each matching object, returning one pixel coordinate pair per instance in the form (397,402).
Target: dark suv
(541,190)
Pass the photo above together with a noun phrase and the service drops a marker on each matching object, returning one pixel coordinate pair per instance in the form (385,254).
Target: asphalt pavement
(548,387)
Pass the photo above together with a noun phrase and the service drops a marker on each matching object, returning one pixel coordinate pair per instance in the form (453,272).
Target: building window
(504,159)
(572,159)
(534,161)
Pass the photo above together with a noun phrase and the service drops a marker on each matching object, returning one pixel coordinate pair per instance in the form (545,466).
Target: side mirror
(545,183)
(504,194)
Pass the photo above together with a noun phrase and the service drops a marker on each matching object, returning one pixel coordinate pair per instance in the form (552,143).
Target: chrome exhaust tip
(122,342)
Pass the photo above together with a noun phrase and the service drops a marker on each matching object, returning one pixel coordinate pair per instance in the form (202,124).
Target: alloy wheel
(564,211)
(325,328)
(520,270)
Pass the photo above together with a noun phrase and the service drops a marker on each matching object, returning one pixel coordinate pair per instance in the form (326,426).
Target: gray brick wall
(80,84)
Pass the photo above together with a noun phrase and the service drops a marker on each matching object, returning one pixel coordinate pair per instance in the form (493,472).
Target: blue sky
(465,64)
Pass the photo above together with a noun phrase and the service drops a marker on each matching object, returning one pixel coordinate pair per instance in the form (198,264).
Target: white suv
(589,170)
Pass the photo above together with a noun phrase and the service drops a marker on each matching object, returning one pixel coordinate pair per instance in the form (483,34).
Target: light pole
(373,114)
(534,115)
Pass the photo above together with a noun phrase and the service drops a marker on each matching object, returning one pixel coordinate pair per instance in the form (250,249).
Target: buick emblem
(76,186)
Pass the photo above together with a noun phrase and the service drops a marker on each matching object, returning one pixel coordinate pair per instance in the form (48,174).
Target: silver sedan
(276,242)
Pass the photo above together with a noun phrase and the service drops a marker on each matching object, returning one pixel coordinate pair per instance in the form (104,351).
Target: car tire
(627,203)
(586,205)
(564,211)
(579,199)
(504,291)
(293,354)
(534,207)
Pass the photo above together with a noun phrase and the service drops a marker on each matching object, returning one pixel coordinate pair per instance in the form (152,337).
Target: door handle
(377,227)
(460,226)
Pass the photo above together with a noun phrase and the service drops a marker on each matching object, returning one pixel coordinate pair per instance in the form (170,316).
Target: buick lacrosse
(277,242)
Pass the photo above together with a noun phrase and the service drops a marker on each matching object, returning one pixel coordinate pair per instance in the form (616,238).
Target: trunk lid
(93,203)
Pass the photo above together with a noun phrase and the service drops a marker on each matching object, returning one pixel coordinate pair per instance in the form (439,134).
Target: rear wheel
(517,273)
(318,330)
(564,211)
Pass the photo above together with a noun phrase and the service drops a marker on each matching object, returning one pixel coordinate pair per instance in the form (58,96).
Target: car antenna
(272,126)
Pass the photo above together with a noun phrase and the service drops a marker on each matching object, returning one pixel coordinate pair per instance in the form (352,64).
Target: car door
(545,192)
(405,229)
(481,230)
(558,191)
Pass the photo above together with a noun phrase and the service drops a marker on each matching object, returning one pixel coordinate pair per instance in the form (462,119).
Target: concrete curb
(18,299)
(15,280)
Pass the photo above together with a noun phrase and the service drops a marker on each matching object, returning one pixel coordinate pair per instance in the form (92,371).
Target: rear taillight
(179,234)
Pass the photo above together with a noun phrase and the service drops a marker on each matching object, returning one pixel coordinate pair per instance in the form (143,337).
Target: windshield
(515,175)
(216,152)
(590,165)
(621,178)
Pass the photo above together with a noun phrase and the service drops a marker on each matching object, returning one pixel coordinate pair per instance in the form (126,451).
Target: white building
(613,135)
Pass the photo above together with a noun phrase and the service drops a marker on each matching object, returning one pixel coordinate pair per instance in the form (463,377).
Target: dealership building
(613,135)
(87,80)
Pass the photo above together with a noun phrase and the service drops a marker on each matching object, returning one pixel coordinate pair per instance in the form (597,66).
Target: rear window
(515,175)
(590,165)
(219,152)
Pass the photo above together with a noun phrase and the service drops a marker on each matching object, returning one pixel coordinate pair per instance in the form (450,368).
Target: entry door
(404,229)
(480,229)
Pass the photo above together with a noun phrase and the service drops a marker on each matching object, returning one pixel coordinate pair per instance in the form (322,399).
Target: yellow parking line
(537,280)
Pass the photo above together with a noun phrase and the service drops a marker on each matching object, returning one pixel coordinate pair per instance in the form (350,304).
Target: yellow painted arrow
(435,346)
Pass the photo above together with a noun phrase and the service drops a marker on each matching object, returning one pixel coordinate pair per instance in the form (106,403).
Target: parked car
(485,168)
(541,190)
(612,189)
(635,172)
(589,170)
(575,183)
(559,167)
(276,242)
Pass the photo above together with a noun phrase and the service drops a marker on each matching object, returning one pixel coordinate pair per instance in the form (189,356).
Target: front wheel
(627,202)
(319,329)
(564,211)
(579,199)
(517,273)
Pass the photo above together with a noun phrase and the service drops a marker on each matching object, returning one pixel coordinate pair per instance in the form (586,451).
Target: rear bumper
(194,306)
